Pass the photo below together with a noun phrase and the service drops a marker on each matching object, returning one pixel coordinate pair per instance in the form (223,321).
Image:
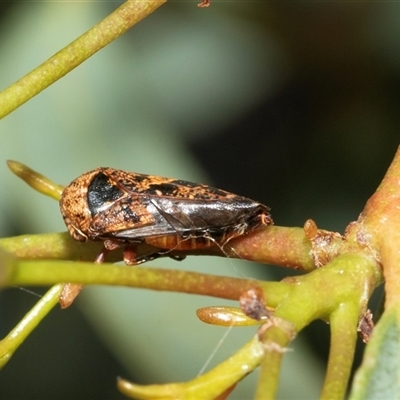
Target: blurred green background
(294,104)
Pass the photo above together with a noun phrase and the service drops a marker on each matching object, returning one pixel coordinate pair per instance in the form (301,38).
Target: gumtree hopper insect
(125,209)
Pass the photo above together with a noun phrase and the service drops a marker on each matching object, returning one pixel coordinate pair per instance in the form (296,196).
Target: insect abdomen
(177,242)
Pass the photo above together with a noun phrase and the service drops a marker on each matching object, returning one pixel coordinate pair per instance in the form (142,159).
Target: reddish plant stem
(287,247)
(379,229)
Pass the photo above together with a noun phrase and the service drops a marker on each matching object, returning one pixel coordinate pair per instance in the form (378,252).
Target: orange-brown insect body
(124,208)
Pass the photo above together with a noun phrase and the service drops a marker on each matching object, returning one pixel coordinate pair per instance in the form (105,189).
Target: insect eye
(101,191)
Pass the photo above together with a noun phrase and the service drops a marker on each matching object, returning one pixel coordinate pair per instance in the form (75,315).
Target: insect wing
(159,226)
(106,203)
(113,208)
(125,213)
(194,215)
(185,217)
(158,186)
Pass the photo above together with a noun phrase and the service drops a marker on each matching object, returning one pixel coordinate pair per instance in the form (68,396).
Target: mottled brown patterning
(125,209)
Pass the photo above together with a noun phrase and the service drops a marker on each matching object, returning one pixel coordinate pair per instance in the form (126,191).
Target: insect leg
(101,256)
(130,256)
(177,258)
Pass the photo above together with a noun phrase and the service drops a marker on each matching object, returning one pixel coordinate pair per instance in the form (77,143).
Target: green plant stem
(17,336)
(31,273)
(343,323)
(274,343)
(348,279)
(113,26)
(294,252)
(286,247)
(207,386)
(341,289)
(54,246)
(344,286)
(35,180)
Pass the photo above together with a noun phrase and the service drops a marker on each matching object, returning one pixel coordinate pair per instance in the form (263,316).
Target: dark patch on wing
(166,189)
(100,191)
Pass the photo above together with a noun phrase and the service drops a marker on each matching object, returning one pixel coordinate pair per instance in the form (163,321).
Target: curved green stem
(62,246)
(54,246)
(127,15)
(275,339)
(343,342)
(31,273)
(338,292)
(17,336)
(207,386)
(35,180)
